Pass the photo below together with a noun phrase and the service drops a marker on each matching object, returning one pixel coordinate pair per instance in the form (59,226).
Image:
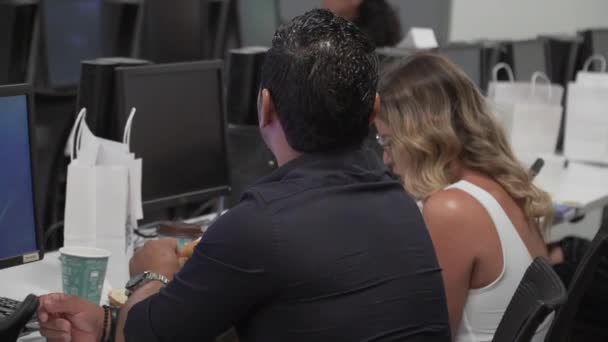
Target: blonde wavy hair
(438,116)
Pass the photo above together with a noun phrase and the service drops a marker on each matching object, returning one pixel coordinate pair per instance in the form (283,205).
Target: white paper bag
(529,112)
(103,199)
(590,78)
(586,137)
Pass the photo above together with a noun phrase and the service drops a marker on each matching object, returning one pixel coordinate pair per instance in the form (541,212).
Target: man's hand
(66,318)
(159,256)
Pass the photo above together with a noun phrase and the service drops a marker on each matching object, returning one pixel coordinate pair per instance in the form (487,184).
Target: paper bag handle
(595,58)
(535,76)
(77,136)
(503,66)
(126,137)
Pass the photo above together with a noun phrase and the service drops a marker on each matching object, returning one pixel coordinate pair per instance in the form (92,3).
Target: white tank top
(485,307)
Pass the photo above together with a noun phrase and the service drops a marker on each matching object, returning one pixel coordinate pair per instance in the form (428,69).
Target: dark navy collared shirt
(327,248)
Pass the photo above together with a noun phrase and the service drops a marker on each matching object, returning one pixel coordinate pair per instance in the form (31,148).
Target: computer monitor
(468,57)
(562,51)
(243,83)
(179,130)
(595,42)
(175,31)
(122,25)
(16,31)
(600,42)
(491,52)
(528,57)
(72,32)
(96,93)
(258,20)
(20,234)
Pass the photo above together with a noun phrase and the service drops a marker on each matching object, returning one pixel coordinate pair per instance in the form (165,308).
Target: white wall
(520,19)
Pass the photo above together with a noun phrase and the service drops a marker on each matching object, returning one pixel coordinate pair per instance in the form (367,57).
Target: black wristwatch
(141,279)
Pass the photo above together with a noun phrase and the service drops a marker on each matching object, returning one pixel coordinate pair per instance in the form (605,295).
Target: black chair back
(583,317)
(539,294)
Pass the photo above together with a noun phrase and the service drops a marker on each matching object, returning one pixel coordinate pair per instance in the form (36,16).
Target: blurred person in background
(376,18)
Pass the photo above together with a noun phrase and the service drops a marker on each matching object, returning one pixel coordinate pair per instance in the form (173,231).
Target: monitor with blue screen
(19,231)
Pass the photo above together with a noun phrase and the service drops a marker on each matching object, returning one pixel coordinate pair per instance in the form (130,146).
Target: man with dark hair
(327,248)
(332,110)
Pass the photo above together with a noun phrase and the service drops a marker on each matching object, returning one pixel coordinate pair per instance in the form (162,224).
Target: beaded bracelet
(114,311)
(106,318)
(112,315)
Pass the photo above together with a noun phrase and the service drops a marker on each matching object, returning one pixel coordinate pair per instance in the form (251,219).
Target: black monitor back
(562,52)
(96,93)
(244,73)
(175,31)
(71,31)
(122,25)
(491,55)
(179,130)
(595,41)
(16,31)
(469,57)
(527,57)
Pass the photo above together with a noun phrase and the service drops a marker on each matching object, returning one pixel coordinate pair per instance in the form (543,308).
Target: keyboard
(17,318)
(8,306)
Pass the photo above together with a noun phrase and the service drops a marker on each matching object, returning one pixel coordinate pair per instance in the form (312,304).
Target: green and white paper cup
(83,270)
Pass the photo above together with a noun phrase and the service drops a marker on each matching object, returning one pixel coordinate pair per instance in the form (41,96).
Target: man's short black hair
(322,73)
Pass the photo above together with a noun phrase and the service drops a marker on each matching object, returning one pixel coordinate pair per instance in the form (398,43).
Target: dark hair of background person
(322,74)
(380,22)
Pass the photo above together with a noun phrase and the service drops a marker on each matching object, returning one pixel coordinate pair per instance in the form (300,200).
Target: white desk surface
(39,278)
(582,186)
(44,277)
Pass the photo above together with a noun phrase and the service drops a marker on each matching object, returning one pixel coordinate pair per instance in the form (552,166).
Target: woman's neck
(459,171)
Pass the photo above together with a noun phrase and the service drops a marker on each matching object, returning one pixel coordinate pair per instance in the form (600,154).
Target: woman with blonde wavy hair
(485,216)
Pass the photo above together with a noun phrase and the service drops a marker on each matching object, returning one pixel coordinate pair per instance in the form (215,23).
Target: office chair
(539,294)
(582,317)
(248,157)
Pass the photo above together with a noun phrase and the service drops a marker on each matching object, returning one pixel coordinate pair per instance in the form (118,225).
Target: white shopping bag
(586,137)
(103,200)
(529,112)
(590,78)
